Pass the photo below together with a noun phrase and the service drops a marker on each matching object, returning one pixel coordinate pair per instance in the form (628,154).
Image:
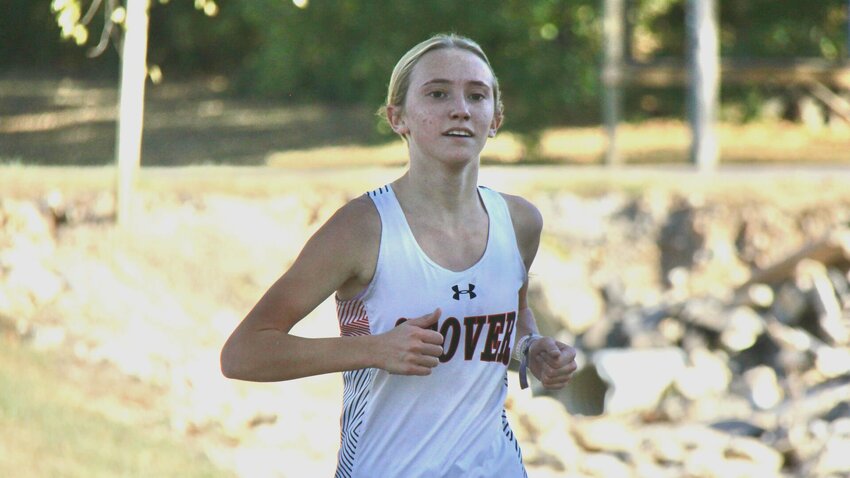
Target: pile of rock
(27,282)
(742,378)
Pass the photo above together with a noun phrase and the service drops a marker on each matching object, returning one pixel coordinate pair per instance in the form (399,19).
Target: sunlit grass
(52,425)
(655,156)
(652,142)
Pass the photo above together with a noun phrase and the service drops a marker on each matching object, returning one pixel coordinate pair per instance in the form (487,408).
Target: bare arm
(551,361)
(528,225)
(340,255)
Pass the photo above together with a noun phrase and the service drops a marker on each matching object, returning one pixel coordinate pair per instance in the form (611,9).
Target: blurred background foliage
(546,52)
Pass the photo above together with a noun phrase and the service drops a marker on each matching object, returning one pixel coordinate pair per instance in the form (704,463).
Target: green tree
(752,28)
(545,51)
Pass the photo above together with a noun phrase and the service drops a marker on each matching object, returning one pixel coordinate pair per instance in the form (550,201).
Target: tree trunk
(613,26)
(131,105)
(704,65)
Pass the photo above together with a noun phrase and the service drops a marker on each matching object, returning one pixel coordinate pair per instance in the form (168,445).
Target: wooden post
(612,75)
(131,106)
(704,69)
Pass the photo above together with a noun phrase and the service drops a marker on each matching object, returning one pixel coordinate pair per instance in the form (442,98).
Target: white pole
(704,94)
(131,105)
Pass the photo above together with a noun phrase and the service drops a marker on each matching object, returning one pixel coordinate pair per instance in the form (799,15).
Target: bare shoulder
(528,224)
(354,229)
(357,217)
(527,220)
(352,238)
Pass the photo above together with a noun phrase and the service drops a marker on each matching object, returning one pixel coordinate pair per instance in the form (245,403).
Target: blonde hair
(400,79)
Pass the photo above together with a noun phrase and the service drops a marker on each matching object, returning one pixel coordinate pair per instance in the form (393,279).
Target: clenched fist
(552,362)
(411,348)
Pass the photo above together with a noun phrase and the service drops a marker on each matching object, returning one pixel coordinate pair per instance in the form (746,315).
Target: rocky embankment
(714,333)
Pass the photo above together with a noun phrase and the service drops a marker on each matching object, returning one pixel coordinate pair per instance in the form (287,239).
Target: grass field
(61,420)
(793,184)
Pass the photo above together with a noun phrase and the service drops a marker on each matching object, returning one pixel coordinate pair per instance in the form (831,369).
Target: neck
(439,187)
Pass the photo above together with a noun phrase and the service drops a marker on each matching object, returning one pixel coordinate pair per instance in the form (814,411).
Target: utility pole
(704,85)
(612,75)
(131,106)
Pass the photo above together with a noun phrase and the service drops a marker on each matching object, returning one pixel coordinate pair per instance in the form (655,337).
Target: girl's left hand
(552,362)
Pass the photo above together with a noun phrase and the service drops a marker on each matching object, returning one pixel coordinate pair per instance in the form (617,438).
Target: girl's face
(449,110)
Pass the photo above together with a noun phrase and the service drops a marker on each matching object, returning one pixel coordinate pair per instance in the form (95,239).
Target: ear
(396,120)
(494,125)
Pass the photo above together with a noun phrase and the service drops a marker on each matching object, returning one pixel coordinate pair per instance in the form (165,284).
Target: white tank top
(451,423)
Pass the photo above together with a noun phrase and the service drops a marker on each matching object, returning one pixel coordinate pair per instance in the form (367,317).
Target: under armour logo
(458,292)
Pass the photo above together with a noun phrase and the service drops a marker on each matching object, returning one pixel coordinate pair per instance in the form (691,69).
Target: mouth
(459,133)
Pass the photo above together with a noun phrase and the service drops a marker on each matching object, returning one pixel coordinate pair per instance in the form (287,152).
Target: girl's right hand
(411,348)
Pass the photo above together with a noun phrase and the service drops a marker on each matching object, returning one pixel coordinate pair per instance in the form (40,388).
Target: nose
(460,109)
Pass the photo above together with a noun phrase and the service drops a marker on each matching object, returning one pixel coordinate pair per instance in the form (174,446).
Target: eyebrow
(441,81)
